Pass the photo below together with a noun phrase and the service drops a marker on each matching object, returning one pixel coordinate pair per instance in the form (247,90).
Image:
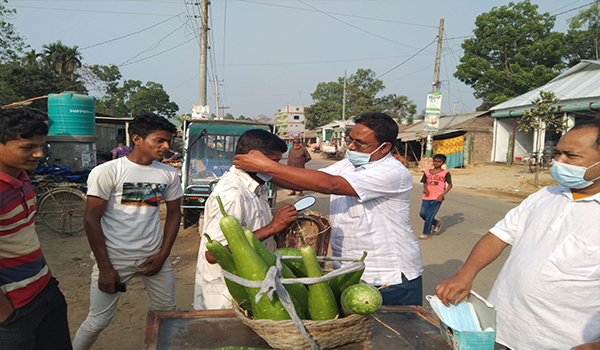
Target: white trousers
(160,288)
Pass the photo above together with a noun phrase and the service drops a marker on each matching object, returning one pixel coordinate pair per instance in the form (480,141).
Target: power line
(408,59)
(575,8)
(355,27)
(341,14)
(130,34)
(160,53)
(93,11)
(312,62)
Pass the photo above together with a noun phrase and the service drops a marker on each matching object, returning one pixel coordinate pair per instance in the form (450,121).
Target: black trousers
(40,324)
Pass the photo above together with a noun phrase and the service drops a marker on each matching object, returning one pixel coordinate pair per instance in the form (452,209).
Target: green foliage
(241,117)
(11,44)
(514,50)
(229,116)
(396,106)
(361,90)
(133,97)
(543,116)
(583,38)
(61,58)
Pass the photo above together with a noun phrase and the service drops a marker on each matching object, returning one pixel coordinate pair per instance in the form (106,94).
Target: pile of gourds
(249,259)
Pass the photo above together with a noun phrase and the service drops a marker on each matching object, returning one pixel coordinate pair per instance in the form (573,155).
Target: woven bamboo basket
(328,334)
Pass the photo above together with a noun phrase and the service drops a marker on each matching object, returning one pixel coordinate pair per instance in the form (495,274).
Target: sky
(268,54)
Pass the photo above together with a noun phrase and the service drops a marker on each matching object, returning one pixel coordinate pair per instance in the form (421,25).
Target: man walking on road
(298,156)
(369,208)
(547,295)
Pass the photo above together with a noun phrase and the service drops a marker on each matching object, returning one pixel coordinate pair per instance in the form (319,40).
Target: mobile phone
(120,287)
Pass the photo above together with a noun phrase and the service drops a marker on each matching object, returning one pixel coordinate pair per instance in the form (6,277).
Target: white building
(289,119)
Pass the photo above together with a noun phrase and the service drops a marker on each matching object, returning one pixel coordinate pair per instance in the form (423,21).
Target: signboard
(432,111)
(294,133)
(200,112)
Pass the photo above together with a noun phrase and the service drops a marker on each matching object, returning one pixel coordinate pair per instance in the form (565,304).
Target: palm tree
(398,106)
(61,58)
(31,57)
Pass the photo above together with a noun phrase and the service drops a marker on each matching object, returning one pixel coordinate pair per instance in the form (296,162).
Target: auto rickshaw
(208,152)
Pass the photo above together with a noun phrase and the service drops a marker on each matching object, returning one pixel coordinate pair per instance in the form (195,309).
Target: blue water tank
(71,113)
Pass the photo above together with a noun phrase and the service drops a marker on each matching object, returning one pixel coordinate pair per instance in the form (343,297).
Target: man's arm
(440,198)
(588,346)
(6,307)
(171,230)
(306,179)
(283,217)
(455,289)
(94,210)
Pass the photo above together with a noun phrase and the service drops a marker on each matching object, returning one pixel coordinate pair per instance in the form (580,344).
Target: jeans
(428,211)
(405,293)
(41,324)
(160,288)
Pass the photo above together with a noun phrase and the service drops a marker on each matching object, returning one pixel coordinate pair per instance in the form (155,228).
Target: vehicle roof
(225,126)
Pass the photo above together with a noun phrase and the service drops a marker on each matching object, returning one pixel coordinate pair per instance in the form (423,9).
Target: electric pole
(436,84)
(203,50)
(344,98)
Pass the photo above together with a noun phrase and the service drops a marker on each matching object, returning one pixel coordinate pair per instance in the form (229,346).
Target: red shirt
(436,183)
(23,270)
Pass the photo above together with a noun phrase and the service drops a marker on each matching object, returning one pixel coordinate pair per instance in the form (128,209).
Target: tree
(513,51)
(396,106)
(261,118)
(540,119)
(241,117)
(132,98)
(61,58)
(11,44)
(228,116)
(583,38)
(361,90)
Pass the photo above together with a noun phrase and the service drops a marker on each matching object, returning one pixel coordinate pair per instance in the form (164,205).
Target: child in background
(121,150)
(434,189)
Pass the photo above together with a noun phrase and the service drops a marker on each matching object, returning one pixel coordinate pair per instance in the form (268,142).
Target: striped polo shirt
(23,270)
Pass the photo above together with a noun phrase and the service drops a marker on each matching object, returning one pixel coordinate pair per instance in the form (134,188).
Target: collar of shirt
(15,182)
(567,192)
(249,182)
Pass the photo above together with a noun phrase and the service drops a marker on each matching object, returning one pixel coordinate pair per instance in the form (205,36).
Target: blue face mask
(571,176)
(461,316)
(265,177)
(358,159)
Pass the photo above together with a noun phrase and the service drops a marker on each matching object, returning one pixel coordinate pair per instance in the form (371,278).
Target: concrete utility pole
(344,98)
(436,84)
(203,54)
(217,92)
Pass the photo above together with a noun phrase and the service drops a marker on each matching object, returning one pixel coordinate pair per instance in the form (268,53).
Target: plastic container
(71,113)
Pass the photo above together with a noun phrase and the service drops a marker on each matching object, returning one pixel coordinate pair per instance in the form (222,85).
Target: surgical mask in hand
(358,159)
(461,316)
(265,177)
(571,176)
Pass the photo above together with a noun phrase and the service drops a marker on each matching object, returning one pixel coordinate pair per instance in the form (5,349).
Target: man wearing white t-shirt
(370,206)
(244,196)
(547,295)
(122,224)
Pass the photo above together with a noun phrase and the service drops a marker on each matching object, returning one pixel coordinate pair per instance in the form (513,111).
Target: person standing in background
(298,156)
(121,150)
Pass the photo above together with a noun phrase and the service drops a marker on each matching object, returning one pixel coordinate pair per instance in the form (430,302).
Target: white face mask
(358,159)
(571,176)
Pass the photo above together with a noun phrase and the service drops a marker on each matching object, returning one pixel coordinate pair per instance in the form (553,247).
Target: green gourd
(321,302)
(297,291)
(250,266)
(340,283)
(296,265)
(224,258)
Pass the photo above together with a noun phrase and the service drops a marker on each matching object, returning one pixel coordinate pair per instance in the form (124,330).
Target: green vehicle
(208,151)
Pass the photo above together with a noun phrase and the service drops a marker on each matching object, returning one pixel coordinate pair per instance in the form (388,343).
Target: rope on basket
(274,282)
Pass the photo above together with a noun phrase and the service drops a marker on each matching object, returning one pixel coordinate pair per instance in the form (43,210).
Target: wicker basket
(316,227)
(328,334)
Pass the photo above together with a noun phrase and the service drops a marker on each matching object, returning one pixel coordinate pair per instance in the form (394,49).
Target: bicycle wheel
(546,163)
(62,210)
(532,162)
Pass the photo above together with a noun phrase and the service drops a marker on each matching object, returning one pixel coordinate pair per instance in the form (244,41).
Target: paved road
(467,216)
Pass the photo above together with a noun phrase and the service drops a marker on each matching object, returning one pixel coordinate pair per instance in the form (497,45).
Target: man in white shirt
(244,196)
(123,228)
(369,210)
(547,295)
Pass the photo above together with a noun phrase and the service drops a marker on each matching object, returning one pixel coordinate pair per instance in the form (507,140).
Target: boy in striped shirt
(33,311)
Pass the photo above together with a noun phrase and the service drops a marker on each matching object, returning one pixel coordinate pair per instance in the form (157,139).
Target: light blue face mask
(358,159)
(461,316)
(571,176)
(265,177)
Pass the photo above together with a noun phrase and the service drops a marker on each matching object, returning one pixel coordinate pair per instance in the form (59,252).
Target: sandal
(424,237)
(437,228)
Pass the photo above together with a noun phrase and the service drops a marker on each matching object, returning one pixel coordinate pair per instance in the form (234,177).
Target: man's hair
(593,123)
(385,128)
(120,139)
(146,124)
(21,123)
(260,140)
(440,157)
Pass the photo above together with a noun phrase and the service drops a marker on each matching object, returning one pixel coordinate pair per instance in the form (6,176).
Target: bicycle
(61,205)
(544,162)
